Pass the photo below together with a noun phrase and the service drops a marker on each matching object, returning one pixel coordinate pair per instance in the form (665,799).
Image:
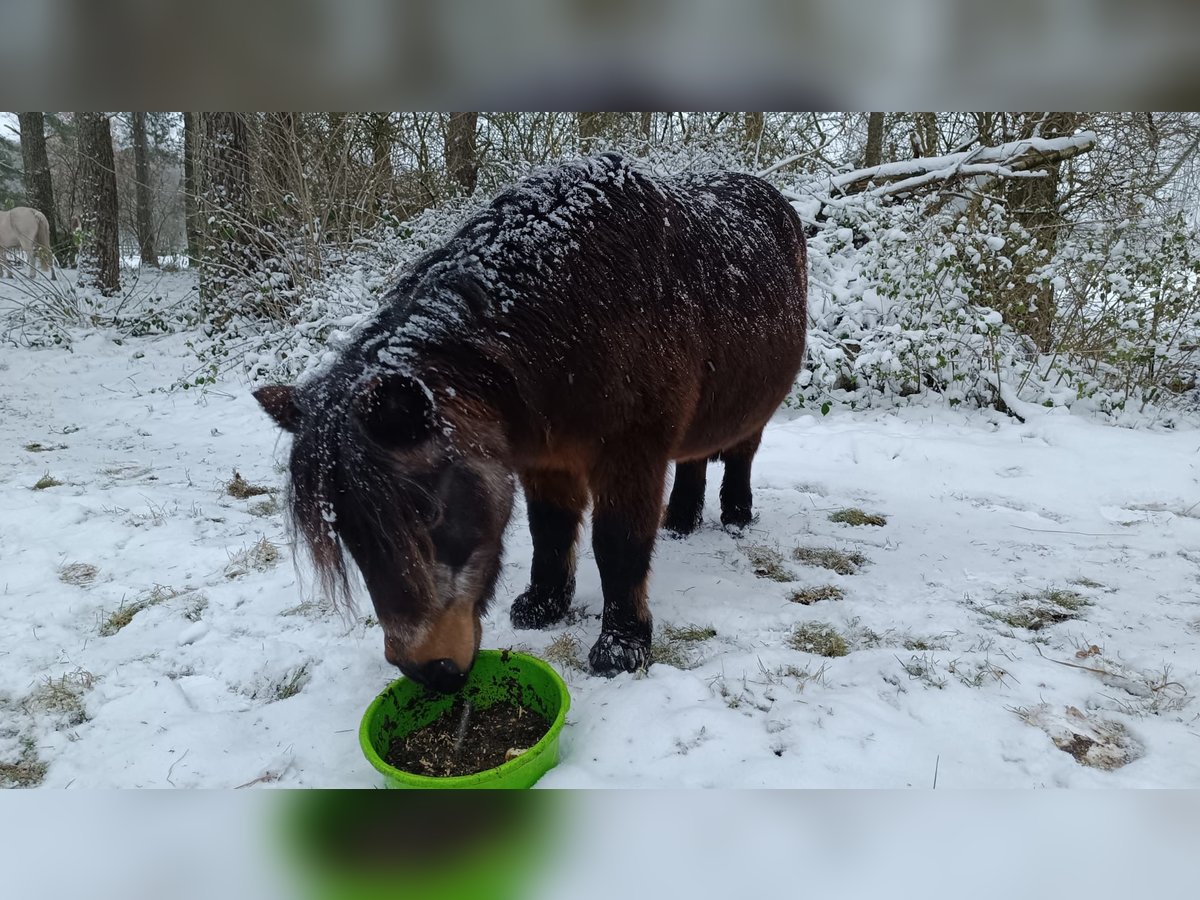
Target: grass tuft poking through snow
(809,596)
(39,447)
(828,558)
(566,652)
(819,638)
(46,481)
(856,516)
(63,696)
(675,645)
(767,562)
(28,771)
(1034,612)
(240,488)
(259,558)
(263,508)
(78,573)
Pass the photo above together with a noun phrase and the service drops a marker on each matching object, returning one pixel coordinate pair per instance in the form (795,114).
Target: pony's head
(419,500)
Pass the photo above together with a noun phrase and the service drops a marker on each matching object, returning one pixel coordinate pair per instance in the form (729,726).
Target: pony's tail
(42,243)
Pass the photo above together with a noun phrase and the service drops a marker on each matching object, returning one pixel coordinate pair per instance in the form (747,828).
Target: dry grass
(675,645)
(258,558)
(820,638)
(46,481)
(565,651)
(28,771)
(242,489)
(123,614)
(809,596)
(767,563)
(828,558)
(119,618)
(38,447)
(293,683)
(856,516)
(689,633)
(63,696)
(78,573)
(1033,612)
(262,508)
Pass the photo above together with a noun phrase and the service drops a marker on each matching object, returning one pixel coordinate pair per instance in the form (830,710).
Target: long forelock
(338,473)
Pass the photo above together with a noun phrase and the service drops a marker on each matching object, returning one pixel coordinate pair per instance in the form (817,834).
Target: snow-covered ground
(230,671)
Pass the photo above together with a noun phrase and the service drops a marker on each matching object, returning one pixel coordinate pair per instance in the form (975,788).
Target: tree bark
(98,256)
(752,128)
(141,175)
(462,158)
(191,188)
(874,152)
(591,126)
(1034,203)
(39,187)
(226,211)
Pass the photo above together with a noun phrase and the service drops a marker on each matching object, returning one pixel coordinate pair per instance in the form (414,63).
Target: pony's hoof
(679,527)
(616,653)
(541,608)
(737,517)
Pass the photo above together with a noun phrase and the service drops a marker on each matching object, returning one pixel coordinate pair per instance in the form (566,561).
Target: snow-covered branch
(1003,161)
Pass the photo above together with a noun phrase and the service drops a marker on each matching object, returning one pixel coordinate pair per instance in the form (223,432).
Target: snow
(219,681)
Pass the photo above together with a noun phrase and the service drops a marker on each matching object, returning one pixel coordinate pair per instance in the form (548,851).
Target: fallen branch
(1010,160)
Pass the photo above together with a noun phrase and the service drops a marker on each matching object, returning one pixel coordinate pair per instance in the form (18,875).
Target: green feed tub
(497,675)
(377,845)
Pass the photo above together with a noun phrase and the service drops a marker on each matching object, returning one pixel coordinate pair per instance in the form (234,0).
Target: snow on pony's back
(526,243)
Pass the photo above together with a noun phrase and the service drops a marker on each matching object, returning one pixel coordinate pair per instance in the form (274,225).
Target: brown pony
(589,327)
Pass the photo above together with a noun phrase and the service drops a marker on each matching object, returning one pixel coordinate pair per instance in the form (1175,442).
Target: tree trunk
(191,188)
(382,133)
(591,126)
(1032,307)
(753,128)
(141,176)
(39,188)
(226,208)
(98,256)
(280,159)
(462,158)
(645,128)
(874,151)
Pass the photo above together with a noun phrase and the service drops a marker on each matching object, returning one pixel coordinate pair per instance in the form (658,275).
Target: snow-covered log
(1012,160)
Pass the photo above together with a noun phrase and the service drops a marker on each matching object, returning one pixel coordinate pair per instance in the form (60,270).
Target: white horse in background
(25,229)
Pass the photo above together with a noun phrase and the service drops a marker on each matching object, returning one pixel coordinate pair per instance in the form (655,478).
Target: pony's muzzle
(443,675)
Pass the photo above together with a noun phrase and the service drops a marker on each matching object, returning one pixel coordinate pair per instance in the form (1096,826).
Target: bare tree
(591,126)
(226,210)
(141,175)
(462,158)
(191,187)
(98,259)
(874,152)
(39,187)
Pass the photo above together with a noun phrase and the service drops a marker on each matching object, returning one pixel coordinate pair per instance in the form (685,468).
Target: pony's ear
(396,411)
(279,400)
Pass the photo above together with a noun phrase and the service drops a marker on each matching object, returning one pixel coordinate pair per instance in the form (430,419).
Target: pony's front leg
(627,496)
